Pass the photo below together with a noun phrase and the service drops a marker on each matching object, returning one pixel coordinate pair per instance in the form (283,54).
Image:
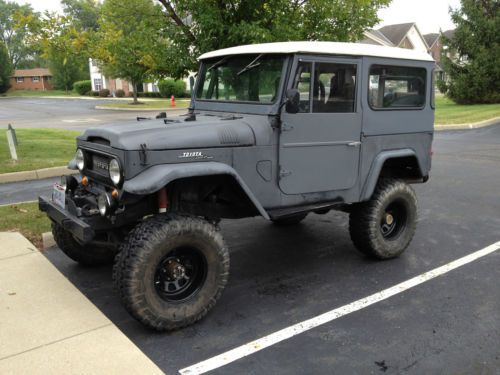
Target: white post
(12,145)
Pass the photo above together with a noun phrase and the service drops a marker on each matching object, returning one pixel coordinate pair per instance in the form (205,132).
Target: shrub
(442,86)
(104,93)
(82,87)
(169,87)
(94,93)
(119,93)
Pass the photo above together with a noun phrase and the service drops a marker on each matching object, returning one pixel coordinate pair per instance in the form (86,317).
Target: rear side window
(396,87)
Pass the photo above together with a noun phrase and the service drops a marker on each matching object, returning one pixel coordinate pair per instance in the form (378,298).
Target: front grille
(100,164)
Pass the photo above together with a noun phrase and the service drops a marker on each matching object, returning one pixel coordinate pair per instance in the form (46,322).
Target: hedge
(82,87)
(169,87)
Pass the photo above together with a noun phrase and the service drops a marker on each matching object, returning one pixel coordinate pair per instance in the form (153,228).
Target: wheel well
(216,196)
(405,168)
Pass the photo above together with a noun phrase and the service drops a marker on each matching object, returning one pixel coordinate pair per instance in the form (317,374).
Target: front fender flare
(158,176)
(378,163)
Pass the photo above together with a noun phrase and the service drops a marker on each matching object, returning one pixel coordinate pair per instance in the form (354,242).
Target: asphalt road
(281,276)
(72,114)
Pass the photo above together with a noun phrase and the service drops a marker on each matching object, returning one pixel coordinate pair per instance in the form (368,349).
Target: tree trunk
(134,91)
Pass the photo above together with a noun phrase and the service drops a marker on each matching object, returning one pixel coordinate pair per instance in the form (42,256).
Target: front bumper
(77,227)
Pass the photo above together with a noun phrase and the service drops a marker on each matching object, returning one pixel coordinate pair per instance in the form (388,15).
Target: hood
(205,132)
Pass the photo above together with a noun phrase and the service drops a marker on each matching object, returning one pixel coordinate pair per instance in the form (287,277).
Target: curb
(474,125)
(38,174)
(47,241)
(50,326)
(141,109)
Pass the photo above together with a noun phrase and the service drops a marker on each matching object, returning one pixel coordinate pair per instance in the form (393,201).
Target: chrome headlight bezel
(115,171)
(80,159)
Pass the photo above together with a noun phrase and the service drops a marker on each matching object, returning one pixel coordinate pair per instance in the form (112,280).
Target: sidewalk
(47,326)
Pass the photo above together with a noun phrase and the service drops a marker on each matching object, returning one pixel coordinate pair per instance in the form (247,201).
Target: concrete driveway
(72,114)
(282,276)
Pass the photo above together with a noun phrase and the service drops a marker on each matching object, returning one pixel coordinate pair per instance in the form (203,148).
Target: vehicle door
(320,145)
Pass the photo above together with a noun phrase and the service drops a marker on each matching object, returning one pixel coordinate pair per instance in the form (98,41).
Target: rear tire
(384,226)
(171,271)
(86,255)
(290,220)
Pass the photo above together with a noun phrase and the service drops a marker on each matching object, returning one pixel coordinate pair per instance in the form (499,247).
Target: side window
(334,87)
(433,89)
(396,87)
(302,82)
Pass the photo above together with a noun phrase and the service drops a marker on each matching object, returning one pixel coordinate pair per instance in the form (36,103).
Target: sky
(430,15)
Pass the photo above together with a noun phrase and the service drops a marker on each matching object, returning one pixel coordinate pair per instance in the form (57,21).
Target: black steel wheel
(171,270)
(180,274)
(384,226)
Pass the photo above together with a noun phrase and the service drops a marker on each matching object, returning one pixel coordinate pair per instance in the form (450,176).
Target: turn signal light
(85,181)
(114,193)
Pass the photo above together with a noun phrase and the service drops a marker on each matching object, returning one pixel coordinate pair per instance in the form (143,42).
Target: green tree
(198,26)
(130,40)
(14,38)
(5,68)
(84,13)
(64,47)
(473,55)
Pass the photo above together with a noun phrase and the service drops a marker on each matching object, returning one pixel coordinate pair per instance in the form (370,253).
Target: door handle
(354,144)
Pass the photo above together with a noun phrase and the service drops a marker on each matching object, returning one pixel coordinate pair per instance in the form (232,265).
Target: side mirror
(292,101)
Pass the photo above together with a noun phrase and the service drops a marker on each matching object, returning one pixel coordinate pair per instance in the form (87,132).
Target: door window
(334,87)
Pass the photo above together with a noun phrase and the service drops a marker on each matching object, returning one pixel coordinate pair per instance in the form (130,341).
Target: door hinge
(284,173)
(285,127)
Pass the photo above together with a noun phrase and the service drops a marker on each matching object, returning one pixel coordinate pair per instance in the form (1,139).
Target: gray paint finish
(279,159)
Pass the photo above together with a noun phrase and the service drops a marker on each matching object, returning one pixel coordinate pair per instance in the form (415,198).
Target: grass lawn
(40,93)
(447,112)
(25,218)
(38,148)
(148,104)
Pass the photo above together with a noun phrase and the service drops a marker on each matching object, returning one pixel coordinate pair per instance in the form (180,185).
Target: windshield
(241,78)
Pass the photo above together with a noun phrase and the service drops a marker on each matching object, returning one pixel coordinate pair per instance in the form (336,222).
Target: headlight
(106,203)
(80,159)
(102,204)
(114,171)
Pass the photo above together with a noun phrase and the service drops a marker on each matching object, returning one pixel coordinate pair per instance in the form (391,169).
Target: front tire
(384,226)
(86,255)
(171,271)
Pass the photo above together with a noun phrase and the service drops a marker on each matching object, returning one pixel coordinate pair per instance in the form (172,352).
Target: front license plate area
(59,195)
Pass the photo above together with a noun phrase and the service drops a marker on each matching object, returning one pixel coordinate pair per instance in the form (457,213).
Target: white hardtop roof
(325,48)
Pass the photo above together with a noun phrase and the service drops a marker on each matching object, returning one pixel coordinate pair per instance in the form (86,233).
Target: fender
(378,163)
(156,177)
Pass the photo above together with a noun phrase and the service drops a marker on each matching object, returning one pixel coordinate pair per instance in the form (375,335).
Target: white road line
(286,333)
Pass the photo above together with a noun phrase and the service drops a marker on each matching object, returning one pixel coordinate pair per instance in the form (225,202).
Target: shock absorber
(162,200)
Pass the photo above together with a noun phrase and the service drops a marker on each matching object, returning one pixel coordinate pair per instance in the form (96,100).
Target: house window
(19,79)
(98,84)
(396,87)
(36,79)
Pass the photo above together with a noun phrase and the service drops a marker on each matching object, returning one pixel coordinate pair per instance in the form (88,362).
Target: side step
(277,213)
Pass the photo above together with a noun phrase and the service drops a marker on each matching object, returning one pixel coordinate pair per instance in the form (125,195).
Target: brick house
(435,49)
(31,79)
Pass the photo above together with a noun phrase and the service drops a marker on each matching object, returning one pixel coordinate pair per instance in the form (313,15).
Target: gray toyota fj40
(279,130)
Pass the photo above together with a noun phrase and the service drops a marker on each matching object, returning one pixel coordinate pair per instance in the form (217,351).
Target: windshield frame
(241,106)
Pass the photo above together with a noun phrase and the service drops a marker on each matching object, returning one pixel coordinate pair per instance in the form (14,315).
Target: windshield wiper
(215,65)
(250,66)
